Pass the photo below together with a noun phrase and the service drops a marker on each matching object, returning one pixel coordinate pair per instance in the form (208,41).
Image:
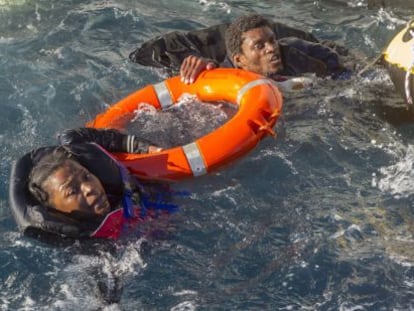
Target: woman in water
(77,189)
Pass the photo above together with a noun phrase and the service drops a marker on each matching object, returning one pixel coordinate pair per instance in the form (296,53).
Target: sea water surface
(319,219)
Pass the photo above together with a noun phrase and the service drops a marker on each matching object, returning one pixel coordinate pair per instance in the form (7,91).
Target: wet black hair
(46,166)
(36,218)
(234,33)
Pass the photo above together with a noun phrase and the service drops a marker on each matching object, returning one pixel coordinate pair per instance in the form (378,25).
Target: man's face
(73,189)
(260,52)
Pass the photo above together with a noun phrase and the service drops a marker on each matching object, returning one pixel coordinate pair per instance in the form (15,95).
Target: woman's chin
(103,210)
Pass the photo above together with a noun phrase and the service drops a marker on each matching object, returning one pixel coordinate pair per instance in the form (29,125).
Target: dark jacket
(110,139)
(301,51)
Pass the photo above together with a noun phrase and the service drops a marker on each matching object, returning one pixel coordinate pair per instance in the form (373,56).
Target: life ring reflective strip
(399,60)
(163,95)
(259,106)
(195,159)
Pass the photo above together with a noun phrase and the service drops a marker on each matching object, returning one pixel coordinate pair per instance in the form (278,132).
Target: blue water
(319,219)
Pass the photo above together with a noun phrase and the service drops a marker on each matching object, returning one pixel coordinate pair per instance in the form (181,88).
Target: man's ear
(238,60)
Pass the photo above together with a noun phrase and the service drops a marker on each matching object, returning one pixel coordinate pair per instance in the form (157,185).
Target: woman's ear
(39,193)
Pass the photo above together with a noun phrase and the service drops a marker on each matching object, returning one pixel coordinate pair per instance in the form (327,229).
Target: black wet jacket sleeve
(110,139)
(301,56)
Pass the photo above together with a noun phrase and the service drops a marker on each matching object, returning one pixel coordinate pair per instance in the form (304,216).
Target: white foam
(182,123)
(220,4)
(185,306)
(398,179)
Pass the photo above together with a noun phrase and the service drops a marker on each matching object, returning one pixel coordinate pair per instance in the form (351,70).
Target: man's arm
(193,65)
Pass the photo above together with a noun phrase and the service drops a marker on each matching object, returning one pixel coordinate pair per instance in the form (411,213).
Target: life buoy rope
(259,102)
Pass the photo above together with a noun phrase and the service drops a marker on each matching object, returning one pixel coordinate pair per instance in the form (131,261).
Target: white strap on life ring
(243,90)
(163,95)
(191,150)
(195,159)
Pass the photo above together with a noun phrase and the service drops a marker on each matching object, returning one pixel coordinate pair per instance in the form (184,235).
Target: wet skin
(260,52)
(74,190)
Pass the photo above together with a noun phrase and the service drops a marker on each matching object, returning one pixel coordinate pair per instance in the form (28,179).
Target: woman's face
(73,189)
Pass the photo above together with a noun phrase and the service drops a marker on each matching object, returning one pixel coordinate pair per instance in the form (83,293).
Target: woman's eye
(259,46)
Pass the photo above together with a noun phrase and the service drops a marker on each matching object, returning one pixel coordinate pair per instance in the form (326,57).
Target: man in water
(251,44)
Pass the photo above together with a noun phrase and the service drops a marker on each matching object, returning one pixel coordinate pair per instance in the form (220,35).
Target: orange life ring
(259,106)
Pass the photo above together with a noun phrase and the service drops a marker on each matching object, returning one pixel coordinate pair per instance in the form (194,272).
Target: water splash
(97,281)
(187,120)
(398,179)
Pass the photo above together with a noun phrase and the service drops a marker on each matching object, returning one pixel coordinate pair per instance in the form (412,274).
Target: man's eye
(70,192)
